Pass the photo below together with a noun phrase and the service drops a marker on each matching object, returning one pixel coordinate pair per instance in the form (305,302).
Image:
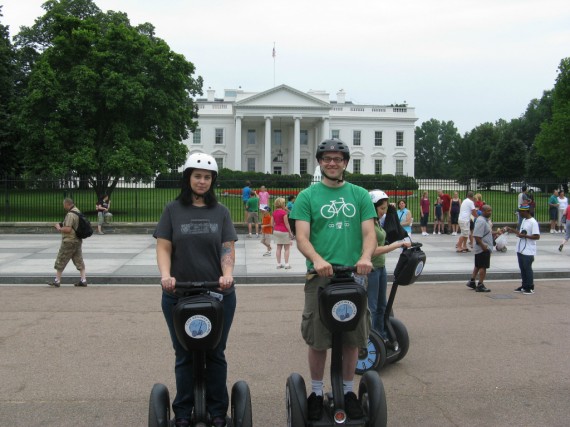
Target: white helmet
(201,161)
(377,195)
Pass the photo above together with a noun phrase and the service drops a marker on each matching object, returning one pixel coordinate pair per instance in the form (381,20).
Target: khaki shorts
(69,250)
(464,226)
(314,332)
(252,218)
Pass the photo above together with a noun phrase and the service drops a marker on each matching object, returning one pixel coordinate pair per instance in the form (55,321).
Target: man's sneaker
(182,422)
(81,284)
(552,231)
(560,248)
(528,291)
(54,284)
(519,289)
(219,422)
(481,288)
(352,406)
(471,284)
(268,253)
(315,407)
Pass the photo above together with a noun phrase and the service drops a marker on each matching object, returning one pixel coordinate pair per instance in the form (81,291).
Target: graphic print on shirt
(336,210)
(199,226)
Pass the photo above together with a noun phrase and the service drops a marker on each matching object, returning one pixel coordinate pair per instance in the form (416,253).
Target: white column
(326,131)
(297,146)
(237,152)
(267,160)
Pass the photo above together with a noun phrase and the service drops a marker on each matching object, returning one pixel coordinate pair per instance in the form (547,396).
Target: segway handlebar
(338,269)
(198,285)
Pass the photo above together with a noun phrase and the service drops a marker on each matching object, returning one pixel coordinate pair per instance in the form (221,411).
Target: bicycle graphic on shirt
(336,206)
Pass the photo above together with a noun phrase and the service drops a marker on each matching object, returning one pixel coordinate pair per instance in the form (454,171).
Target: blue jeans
(217,399)
(525,265)
(377,284)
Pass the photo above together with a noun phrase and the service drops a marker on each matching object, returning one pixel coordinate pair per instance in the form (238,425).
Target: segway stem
(336,371)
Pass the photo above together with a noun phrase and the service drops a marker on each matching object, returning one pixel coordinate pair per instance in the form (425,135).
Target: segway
(198,322)
(341,304)
(379,351)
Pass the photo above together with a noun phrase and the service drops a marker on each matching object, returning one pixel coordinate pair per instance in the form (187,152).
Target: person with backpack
(71,229)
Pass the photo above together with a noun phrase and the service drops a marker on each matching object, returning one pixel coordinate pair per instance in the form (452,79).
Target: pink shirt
(263,197)
(279,223)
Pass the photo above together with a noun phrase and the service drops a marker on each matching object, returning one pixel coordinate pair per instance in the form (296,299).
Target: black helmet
(334,144)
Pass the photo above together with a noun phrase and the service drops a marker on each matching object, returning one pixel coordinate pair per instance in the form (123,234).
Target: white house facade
(278,130)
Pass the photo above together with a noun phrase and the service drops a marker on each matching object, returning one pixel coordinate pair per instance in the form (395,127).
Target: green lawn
(146,205)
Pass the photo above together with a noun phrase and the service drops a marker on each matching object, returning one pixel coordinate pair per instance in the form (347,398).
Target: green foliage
(8,156)
(434,142)
(553,142)
(103,98)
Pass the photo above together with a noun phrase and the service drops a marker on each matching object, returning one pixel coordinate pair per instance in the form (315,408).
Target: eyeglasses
(337,160)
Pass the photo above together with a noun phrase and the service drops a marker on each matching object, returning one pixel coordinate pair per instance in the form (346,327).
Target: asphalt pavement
(89,356)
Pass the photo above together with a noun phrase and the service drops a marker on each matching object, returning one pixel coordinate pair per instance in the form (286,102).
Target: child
(438,213)
(252,206)
(266,229)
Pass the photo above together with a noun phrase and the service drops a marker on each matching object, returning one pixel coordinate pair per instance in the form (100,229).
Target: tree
(8,158)
(103,98)
(470,156)
(508,156)
(434,140)
(553,142)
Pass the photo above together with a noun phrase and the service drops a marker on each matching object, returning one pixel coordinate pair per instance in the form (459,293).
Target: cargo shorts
(315,333)
(69,250)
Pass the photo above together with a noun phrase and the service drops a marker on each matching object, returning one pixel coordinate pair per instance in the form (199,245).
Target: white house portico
(278,130)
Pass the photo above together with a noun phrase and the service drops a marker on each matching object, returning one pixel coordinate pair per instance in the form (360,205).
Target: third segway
(379,351)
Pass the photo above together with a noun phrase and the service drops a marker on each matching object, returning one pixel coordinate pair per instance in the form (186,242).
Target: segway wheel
(373,356)
(241,405)
(296,396)
(159,406)
(371,394)
(402,337)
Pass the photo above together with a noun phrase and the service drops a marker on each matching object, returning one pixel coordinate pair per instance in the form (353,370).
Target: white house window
(378,167)
(277,170)
(277,136)
(378,138)
(303,166)
(335,134)
(251,140)
(356,166)
(356,137)
(219,135)
(251,164)
(399,167)
(399,139)
(197,136)
(220,162)
(304,137)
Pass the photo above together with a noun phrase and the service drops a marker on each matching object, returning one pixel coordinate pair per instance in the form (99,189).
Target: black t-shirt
(197,235)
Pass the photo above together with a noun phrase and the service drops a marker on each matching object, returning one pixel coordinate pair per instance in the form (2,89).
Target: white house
(278,130)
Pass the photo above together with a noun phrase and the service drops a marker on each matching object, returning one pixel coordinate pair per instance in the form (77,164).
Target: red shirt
(445,202)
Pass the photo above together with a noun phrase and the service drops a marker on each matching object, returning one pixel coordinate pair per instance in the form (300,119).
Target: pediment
(283,96)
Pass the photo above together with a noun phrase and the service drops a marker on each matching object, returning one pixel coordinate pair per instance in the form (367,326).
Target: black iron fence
(41,200)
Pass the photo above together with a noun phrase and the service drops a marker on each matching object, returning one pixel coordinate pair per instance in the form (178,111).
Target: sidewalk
(131,259)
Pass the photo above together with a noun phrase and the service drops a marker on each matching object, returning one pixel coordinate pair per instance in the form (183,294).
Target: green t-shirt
(253,204)
(379,260)
(335,216)
(553,201)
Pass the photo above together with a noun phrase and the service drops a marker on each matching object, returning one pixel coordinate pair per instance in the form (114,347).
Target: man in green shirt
(252,208)
(334,225)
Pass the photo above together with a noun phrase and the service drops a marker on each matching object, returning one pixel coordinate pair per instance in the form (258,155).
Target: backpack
(84,229)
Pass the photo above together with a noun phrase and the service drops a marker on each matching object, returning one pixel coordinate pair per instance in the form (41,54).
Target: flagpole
(273,64)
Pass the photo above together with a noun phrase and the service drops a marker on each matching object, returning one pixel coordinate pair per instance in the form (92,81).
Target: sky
(464,61)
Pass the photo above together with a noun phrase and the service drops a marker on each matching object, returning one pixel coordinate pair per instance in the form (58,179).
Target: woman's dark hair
(185,196)
(405,203)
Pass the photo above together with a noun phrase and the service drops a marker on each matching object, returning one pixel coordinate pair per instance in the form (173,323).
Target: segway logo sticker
(419,268)
(198,327)
(344,311)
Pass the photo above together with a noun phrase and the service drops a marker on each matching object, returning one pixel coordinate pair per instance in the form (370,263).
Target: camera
(523,232)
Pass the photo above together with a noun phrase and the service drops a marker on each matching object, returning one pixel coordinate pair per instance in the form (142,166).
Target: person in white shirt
(467,209)
(526,248)
(562,205)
